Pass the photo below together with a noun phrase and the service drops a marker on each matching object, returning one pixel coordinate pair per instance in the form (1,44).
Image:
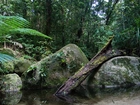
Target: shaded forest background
(86,23)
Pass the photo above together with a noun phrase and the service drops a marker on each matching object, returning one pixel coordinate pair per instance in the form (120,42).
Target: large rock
(21,65)
(119,71)
(6,67)
(10,82)
(56,68)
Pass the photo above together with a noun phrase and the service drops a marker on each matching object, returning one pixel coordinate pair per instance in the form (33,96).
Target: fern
(4,28)
(15,21)
(17,25)
(26,31)
(6,58)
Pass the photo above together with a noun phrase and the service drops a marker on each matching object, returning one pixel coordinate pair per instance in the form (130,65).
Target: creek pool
(82,96)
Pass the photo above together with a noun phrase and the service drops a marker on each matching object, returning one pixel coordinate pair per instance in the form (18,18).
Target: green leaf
(15,21)
(26,31)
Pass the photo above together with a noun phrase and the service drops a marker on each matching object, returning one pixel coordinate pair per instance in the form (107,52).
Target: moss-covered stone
(56,68)
(21,65)
(10,82)
(7,67)
(119,71)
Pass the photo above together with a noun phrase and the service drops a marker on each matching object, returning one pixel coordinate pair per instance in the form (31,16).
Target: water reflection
(81,96)
(10,98)
(110,96)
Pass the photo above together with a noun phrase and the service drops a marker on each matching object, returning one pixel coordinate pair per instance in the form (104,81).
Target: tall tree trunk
(24,9)
(105,54)
(110,12)
(48,16)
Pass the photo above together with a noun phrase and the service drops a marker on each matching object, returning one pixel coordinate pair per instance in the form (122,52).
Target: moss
(56,68)
(8,67)
(11,82)
(21,65)
(99,60)
(124,62)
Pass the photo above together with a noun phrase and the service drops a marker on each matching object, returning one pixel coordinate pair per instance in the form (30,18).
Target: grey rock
(119,71)
(56,68)
(10,82)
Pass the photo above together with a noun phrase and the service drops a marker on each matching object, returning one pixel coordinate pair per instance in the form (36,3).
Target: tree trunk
(49,16)
(24,9)
(105,54)
(110,12)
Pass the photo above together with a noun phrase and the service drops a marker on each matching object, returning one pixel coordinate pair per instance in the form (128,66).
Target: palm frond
(17,25)
(15,21)
(6,58)
(4,28)
(8,23)
(27,31)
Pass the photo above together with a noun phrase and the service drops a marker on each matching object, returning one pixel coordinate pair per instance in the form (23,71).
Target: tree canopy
(87,23)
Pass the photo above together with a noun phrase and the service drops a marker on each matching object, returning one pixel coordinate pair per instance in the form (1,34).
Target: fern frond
(15,21)
(6,58)
(4,28)
(26,31)
(8,23)
(17,25)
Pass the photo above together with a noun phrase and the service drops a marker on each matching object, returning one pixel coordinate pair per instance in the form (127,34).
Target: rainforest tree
(87,23)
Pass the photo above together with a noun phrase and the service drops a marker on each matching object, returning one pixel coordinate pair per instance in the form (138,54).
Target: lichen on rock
(119,71)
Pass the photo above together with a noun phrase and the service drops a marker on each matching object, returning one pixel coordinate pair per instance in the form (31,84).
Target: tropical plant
(87,23)
(13,26)
(17,25)
(127,19)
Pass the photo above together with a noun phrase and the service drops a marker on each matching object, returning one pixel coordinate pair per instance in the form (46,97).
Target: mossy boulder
(10,82)
(21,65)
(53,70)
(7,67)
(17,65)
(119,71)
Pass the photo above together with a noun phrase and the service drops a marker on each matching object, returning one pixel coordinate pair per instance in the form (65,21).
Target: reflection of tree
(10,98)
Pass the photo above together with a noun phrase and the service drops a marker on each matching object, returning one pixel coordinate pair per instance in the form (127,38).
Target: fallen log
(105,54)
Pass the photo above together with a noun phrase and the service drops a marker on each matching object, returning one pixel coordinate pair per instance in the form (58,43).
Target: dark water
(82,96)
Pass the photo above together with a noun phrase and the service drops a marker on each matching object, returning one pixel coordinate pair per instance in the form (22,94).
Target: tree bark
(49,16)
(110,12)
(24,9)
(105,54)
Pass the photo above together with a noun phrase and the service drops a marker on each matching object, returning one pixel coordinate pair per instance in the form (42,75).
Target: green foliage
(127,36)
(8,23)
(34,46)
(17,25)
(17,29)
(128,41)
(5,61)
(87,23)
(26,31)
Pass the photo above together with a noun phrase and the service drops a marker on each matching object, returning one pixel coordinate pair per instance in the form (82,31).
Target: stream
(81,96)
